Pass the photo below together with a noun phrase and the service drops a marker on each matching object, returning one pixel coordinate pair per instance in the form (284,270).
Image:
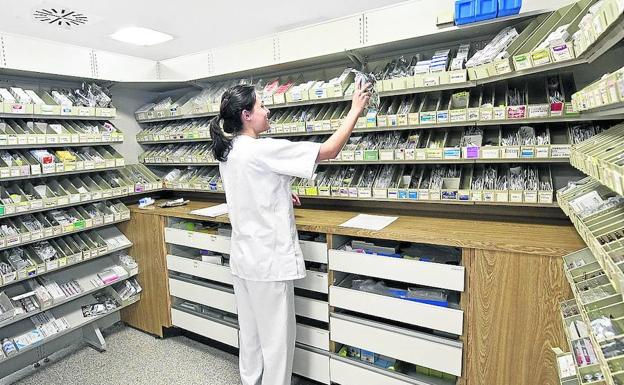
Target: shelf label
(472,152)
(85,111)
(18,108)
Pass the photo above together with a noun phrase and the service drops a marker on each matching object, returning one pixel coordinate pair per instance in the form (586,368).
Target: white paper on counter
(212,212)
(369,222)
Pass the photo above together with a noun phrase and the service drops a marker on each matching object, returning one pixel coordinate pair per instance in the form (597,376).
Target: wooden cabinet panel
(511,305)
(151,313)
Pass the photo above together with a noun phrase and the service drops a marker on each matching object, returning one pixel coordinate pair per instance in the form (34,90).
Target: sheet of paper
(212,212)
(369,222)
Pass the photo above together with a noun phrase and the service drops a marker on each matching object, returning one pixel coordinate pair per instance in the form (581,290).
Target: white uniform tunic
(265,255)
(256,178)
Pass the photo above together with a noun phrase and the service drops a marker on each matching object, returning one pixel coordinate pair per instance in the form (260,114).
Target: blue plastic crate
(509,7)
(485,9)
(464,11)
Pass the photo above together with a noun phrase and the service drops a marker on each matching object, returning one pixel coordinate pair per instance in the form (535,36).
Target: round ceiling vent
(61,17)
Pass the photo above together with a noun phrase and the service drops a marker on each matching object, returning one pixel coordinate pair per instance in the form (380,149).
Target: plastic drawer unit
(214,296)
(397,269)
(198,240)
(205,326)
(311,363)
(415,313)
(205,270)
(418,348)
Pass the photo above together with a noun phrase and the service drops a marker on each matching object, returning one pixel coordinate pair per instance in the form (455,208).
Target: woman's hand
(295,199)
(360,97)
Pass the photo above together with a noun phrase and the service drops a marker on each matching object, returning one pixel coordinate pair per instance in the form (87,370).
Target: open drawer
(431,274)
(311,363)
(214,296)
(313,250)
(312,308)
(314,281)
(438,353)
(313,336)
(446,319)
(206,326)
(346,371)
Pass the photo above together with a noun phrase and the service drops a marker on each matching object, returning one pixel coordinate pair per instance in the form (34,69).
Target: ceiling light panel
(141,36)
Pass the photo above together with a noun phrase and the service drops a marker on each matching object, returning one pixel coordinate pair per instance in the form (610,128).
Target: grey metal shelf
(66,300)
(179,117)
(405,161)
(53,174)
(69,265)
(415,201)
(56,145)
(53,117)
(77,203)
(449,161)
(61,235)
(53,343)
(615,109)
(182,164)
(169,141)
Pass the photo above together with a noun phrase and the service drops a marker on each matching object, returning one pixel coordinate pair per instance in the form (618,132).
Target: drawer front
(417,348)
(345,373)
(311,336)
(312,308)
(419,314)
(398,269)
(311,365)
(216,243)
(314,281)
(205,327)
(314,251)
(208,296)
(200,269)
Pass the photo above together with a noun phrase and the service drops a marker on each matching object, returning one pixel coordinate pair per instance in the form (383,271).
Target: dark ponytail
(225,126)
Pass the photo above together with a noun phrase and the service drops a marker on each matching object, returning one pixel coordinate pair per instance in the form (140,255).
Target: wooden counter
(540,239)
(514,283)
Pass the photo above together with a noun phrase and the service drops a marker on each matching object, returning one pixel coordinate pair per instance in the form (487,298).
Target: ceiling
(196,25)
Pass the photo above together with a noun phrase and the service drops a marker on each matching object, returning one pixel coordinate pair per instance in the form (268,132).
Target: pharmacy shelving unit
(438,149)
(593,321)
(186,262)
(595,206)
(596,273)
(66,200)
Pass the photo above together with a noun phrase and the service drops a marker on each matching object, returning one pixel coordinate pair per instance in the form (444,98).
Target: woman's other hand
(295,200)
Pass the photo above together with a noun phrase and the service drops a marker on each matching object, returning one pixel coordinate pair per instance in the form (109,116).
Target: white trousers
(266,318)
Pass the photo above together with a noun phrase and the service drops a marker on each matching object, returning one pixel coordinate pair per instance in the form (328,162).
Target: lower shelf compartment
(311,363)
(345,371)
(418,348)
(205,326)
(206,294)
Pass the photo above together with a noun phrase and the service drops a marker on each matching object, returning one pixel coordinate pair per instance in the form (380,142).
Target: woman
(265,254)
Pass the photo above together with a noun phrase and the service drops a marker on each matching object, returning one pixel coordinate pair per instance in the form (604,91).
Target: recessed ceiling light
(140,36)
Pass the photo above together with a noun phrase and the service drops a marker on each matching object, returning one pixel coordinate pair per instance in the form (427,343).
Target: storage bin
(485,9)
(465,12)
(509,7)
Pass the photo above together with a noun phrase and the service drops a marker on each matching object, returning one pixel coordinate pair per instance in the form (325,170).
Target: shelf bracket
(93,337)
(360,62)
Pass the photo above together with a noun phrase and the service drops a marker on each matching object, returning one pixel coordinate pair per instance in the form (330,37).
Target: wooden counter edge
(537,239)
